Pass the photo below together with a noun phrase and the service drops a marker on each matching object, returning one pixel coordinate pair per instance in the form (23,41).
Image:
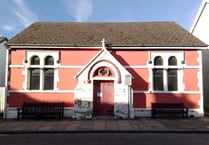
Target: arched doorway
(103,89)
(103,92)
(103,101)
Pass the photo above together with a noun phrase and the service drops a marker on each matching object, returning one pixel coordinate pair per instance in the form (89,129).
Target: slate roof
(121,34)
(3,39)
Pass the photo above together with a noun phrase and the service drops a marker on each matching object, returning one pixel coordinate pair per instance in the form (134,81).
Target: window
(34,79)
(49,74)
(35,60)
(172,74)
(49,60)
(165,71)
(158,60)
(172,80)
(158,74)
(158,79)
(48,79)
(41,70)
(172,60)
(34,73)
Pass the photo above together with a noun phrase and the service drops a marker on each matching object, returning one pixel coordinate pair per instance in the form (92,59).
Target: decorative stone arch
(103,72)
(104,63)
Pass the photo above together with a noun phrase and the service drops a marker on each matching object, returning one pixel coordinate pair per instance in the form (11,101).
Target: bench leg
(19,115)
(153,114)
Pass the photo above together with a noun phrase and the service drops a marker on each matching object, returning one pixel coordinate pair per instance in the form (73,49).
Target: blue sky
(15,15)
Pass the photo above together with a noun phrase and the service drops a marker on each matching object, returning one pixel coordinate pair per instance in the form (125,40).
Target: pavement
(145,125)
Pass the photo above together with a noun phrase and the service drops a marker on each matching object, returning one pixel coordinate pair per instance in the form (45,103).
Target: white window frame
(165,55)
(42,55)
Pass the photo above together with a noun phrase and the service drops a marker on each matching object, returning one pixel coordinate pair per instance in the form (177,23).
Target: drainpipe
(128,83)
(6,81)
(129,92)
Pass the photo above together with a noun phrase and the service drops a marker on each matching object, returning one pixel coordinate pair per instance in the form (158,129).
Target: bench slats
(169,108)
(39,109)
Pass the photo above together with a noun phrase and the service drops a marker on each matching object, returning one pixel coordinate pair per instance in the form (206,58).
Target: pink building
(105,69)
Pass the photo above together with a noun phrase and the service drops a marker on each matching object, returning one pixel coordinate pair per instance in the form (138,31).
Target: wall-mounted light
(58,61)
(150,61)
(183,62)
(26,61)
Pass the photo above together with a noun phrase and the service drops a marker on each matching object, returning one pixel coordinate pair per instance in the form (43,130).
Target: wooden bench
(41,109)
(169,109)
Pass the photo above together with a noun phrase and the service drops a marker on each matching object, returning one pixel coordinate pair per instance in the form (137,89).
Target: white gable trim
(103,55)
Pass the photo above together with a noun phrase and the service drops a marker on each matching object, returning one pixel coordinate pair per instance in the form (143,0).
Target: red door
(103,98)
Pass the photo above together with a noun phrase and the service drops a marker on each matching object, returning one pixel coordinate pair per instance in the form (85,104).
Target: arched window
(158,74)
(41,77)
(103,72)
(35,73)
(35,60)
(158,60)
(165,70)
(172,74)
(172,60)
(49,60)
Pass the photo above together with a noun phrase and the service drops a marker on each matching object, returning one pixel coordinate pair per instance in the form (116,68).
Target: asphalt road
(105,139)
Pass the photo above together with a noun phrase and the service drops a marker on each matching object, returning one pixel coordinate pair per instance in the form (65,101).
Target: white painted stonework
(83,98)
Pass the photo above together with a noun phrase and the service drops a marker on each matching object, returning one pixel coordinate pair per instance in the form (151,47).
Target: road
(105,139)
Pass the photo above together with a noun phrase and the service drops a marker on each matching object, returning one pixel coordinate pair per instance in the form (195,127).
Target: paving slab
(106,125)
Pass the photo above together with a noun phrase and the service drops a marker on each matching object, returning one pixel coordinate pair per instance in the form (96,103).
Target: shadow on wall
(190,101)
(142,100)
(138,83)
(16,100)
(205,62)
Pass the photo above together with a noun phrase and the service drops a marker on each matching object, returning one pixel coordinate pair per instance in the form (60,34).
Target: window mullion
(165,79)
(42,79)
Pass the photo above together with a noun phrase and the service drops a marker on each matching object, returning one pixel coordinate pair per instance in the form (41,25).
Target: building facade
(3,52)
(200,29)
(105,69)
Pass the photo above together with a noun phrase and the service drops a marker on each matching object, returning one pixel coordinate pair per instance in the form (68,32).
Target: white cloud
(24,14)
(8,27)
(81,10)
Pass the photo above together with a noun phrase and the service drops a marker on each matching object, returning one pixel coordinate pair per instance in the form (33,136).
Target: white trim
(165,92)
(134,91)
(162,48)
(165,56)
(89,63)
(41,91)
(200,83)
(42,55)
(125,66)
(50,46)
(102,64)
(6,82)
(72,66)
(136,66)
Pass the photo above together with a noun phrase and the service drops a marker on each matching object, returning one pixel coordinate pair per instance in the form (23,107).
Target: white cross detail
(103,43)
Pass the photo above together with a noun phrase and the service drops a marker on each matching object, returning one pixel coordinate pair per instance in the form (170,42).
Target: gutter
(108,48)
